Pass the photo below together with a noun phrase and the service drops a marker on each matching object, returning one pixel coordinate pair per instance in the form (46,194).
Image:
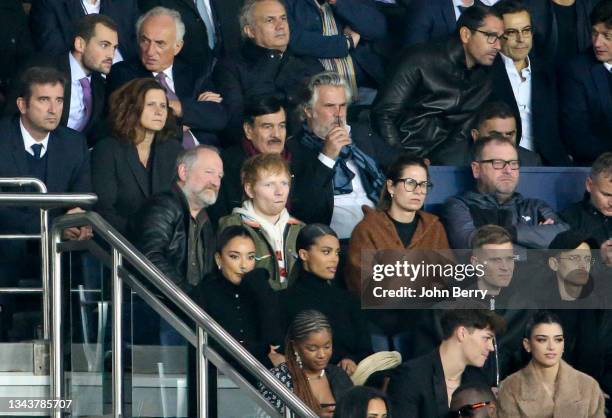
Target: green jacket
(264,255)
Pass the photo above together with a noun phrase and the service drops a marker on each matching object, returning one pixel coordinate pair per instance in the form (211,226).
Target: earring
(298,360)
(391,195)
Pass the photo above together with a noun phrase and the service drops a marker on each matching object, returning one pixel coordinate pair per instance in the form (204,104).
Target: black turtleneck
(351,338)
(249,311)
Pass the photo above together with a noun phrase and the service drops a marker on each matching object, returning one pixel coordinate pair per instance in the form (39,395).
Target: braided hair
(303,325)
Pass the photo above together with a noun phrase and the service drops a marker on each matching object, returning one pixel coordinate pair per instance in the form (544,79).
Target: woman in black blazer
(138,160)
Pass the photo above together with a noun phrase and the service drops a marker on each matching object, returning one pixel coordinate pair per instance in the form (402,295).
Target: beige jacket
(577,395)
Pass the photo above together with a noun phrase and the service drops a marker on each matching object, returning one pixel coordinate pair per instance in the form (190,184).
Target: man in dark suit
(422,387)
(35,145)
(197,107)
(586,93)
(91,56)
(211,28)
(53,22)
(528,87)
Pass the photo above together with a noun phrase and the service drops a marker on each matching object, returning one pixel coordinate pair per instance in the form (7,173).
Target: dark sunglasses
(468,410)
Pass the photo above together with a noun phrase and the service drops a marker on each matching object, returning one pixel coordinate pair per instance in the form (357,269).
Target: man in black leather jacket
(173,230)
(428,106)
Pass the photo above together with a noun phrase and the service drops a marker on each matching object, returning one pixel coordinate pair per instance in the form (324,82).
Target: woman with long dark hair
(548,386)
(318,249)
(307,371)
(239,297)
(138,159)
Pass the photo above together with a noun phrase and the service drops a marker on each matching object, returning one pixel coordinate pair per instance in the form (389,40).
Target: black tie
(37,148)
(462,9)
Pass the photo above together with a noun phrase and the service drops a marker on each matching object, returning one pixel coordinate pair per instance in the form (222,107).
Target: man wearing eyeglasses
(495,167)
(527,86)
(428,106)
(586,93)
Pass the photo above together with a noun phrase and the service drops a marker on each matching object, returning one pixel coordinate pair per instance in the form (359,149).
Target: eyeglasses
(513,34)
(501,164)
(577,258)
(410,185)
(491,36)
(467,410)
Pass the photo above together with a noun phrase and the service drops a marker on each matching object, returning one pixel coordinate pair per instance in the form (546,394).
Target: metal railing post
(202,364)
(117,336)
(44,255)
(56,348)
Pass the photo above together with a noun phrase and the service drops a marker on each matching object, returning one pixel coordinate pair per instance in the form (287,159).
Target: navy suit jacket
(362,16)
(96,125)
(196,51)
(428,20)
(68,169)
(544,110)
(204,118)
(53,21)
(586,108)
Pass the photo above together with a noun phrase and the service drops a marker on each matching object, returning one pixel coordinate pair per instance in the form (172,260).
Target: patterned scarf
(343,66)
(369,173)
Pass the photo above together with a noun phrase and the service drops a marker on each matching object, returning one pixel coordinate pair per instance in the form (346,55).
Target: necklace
(319,377)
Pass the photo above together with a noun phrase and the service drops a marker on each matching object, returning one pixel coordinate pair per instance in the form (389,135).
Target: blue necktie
(37,148)
(210,26)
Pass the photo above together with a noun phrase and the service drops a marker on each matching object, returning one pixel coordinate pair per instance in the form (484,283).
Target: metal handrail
(43,201)
(124,251)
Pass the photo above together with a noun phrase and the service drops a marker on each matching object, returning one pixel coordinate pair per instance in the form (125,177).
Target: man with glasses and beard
(428,105)
(495,167)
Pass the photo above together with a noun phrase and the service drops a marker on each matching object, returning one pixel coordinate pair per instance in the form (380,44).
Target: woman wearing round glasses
(548,386)
(398,223)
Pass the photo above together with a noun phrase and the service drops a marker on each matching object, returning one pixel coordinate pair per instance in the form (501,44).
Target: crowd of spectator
(255,150)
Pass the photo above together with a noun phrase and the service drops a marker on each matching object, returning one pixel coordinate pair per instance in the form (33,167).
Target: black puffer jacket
(257,72)
(160,232)
(430,103)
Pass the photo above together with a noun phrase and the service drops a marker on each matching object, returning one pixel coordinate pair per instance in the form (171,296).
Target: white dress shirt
(77,106)
(608,66)
(28,141)
(170,81)
(347,207)
(521,87)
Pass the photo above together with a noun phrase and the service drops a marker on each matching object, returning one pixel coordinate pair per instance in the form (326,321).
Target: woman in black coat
(318,248)
(139,159)
(239,297)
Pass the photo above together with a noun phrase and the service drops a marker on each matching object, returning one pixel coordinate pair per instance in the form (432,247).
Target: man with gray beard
(173,229)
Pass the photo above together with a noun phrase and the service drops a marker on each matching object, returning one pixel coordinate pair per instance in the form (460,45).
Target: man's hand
(79,234)
(177,107)
(348,366)
(354,35)
(547,221)
(334,141)
(606,252)
(209,96)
